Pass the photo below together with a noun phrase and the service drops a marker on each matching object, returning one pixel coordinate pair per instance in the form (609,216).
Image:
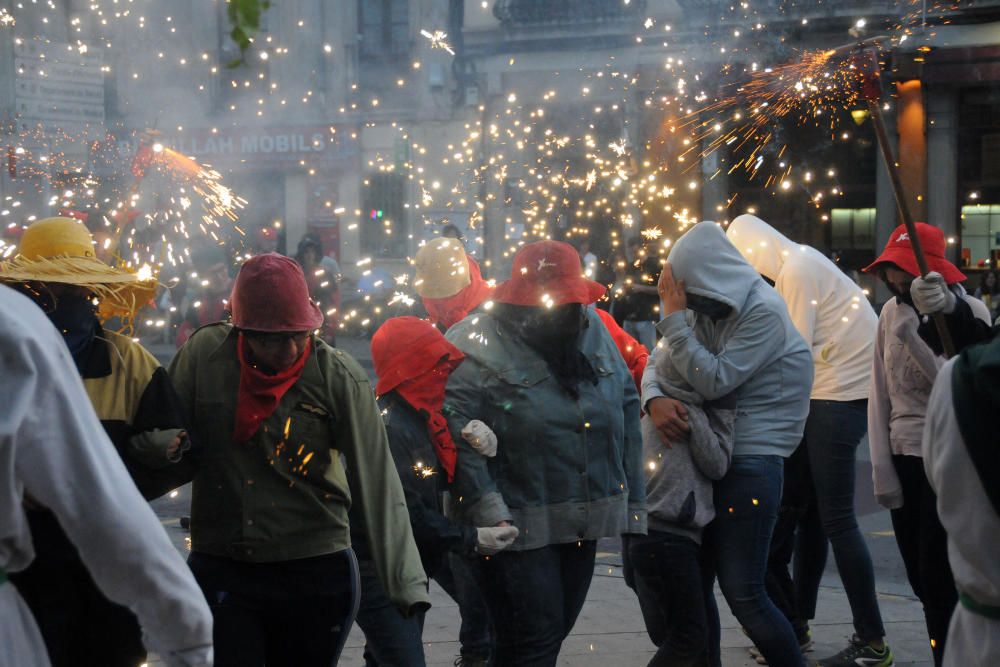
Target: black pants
(534,598)
(80,627)
(257,623)
(923,544)
(674,584)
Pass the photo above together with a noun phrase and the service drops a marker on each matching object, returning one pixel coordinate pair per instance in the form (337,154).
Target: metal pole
(885,148)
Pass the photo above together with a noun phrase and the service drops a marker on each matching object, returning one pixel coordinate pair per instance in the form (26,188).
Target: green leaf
(244,16)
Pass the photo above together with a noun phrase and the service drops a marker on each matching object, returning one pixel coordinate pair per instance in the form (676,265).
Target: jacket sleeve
(66,462)
(753,344)
(712,443)
(632,463)
(433,532)
(376,491)
(965,326)
(801,294)
(650,387)
(888,490)
(475,490)
(157,421)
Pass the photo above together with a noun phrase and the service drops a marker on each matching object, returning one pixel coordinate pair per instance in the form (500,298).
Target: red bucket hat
(899,251)
(406,347)
(270,295)
(548,273)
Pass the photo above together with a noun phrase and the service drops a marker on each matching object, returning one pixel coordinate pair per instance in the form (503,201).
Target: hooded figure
(735,336)
(836,321)
(56,267)
(291,438)
(828,308)
(542,372)
(411,384)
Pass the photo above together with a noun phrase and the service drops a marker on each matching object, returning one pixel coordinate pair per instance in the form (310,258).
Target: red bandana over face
(414,359)
(260,393)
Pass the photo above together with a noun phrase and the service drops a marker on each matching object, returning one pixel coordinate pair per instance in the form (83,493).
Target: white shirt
(829,309)
(53,447)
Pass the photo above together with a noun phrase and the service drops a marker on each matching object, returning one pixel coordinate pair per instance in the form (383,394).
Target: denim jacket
(566,469)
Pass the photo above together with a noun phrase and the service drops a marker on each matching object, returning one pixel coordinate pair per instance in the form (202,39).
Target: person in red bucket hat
(277,414)
(903,372)
(544,374)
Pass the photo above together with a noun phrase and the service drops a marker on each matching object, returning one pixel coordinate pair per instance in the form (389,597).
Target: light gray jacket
(679,476)
(755,351)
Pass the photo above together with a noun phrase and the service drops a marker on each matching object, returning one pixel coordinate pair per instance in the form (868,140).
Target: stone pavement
(610,630)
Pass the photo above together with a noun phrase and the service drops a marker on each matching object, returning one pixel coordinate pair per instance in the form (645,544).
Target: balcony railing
(525,13)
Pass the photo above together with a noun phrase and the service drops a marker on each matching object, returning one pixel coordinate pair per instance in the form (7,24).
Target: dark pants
(534,598)
(674,584)
(458,579)
(746,506)
(296,629)
(80,627)
(819,483)
(391,639)
(923,544)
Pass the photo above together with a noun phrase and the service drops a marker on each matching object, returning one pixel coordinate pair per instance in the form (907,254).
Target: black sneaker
(859,654)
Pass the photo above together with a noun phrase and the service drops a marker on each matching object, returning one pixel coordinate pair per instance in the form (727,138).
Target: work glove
(490,541)
(931,294)
(480,437)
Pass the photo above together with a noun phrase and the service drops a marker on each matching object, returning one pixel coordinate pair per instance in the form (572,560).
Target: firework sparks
(437,39)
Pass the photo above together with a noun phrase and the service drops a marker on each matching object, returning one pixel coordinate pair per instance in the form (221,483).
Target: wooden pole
(885,148)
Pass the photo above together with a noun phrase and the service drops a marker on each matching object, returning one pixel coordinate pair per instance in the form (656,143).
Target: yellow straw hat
(442,268)
(61,250)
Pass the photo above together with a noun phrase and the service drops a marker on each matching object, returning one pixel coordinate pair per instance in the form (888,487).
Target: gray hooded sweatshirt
(753,351)
(679,477)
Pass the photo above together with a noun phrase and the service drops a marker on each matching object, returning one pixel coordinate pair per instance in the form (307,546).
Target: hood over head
(763,246)
(711,266)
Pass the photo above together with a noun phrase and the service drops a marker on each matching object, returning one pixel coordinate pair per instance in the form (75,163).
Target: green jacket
(285,494)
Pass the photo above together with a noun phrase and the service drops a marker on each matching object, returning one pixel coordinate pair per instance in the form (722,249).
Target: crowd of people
(711,424)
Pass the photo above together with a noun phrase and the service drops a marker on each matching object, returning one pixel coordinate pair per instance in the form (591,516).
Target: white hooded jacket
(828,308)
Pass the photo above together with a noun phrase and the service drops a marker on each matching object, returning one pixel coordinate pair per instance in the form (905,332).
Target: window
(852,228)
(980,233)
(384,228)
(383,30)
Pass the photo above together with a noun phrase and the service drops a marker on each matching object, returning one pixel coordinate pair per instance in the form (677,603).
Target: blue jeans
(825,480)
(457,576)
(534,598)
(391,639)
(674,584)
(746,506)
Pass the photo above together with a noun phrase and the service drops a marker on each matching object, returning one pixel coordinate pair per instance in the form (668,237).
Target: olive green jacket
(285,494)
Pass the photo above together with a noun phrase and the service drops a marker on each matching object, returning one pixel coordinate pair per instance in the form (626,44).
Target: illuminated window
(852,228)
(980,232)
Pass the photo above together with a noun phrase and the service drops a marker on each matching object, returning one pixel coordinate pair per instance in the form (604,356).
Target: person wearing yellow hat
(57,268)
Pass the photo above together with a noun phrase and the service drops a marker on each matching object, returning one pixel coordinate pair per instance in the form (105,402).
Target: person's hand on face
(671,292)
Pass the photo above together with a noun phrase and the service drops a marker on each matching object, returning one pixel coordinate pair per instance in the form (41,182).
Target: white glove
(480,437)
(931,294)
(490,541)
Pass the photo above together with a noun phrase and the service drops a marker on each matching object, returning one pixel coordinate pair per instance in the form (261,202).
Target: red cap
(406,347)
(548,273)
(899,251)
(270,295)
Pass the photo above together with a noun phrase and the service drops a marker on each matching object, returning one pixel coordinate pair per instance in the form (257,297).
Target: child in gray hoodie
(669,575)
